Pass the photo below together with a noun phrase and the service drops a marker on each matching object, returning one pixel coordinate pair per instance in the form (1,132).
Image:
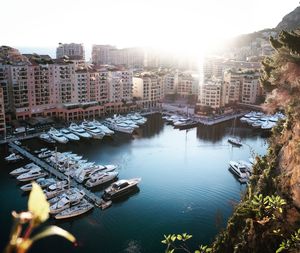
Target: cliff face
(290,21)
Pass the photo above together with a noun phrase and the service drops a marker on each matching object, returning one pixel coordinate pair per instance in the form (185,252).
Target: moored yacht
(67,199)
(74,128)
(120,188)
(104,129)
(56,189)
(31,175)
(240,171)
(13,157)
(76,210)
(46,138)
(56,135)
(101,178)
(95,132)
(111,124)
(24,169)
(72,137)
(42,182)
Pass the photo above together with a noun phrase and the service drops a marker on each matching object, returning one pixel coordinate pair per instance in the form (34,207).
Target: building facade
(70,50)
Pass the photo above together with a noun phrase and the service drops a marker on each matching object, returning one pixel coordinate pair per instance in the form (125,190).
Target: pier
(88,194)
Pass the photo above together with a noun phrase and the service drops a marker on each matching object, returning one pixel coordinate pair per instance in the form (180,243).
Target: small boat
(18,143)
(24,169)
(105,204)
(56,135)
(240,171)
(74,128)
(31,175)
(46,138)
(120,188)
(76,210)
(188,124)
(45,154)
(40,150)
(72,137)
(42,182)
(13,157)
(101,178)
(235,141)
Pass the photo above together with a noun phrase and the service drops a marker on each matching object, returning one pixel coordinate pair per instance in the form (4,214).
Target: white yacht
(120,188)
(104,129)
(46,138)
(111,124)
(13,157)
(95,132)
(240,171)
(72,137)
(268,125)
(76,210)
(85,173)
(101,178)
(42,182)
(67,199)
(74,128)
(56,189)
(56,135)
(31,175)
(137,118)
(24,169)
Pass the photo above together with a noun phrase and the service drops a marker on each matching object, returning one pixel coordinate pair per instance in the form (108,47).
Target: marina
(189,173)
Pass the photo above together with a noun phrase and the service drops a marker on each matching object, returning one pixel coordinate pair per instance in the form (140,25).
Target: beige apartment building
(148,89)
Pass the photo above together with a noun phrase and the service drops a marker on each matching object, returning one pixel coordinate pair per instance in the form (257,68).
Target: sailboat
(233,139)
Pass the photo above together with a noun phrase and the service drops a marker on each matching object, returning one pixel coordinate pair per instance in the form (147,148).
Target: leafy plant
(38,212)
(266,208)
(291,243)
(177,243)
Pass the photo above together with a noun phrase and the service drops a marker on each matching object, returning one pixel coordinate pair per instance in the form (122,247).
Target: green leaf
(173,238)
(54,230)
(164,241)
(38,205)
(179,237)
(197,251)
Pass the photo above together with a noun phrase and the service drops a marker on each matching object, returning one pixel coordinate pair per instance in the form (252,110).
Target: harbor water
(186,187)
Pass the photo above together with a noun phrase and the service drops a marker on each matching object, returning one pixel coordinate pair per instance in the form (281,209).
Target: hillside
(290,21)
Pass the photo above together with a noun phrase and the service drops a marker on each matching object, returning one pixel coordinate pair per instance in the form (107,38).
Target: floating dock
(88,194)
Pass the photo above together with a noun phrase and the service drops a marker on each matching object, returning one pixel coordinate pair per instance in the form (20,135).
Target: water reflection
(217,132)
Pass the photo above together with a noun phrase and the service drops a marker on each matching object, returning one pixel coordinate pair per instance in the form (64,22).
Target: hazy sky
(172,24)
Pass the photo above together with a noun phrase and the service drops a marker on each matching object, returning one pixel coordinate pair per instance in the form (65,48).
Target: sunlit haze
(182,26)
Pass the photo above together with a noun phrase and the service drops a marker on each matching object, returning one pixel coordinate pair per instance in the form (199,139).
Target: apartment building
(210,94)
(148,89)
(110,55)
(101,54)
(251,88)
(70,50)
(2,113)
(170,83)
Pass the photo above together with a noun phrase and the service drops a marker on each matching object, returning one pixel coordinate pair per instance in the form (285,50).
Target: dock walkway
(89,195)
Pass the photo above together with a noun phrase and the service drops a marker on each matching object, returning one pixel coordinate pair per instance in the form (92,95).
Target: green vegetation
(25,222)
